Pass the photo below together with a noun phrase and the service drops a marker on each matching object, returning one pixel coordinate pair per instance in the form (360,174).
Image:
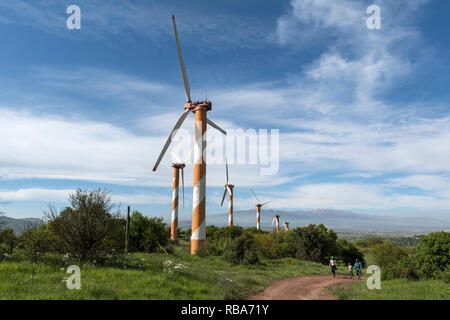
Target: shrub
(372,242)
(254,230)
(433,254)
(83,227)
(8,238)
(361,243)
(220,238)
(348,252)
(268,245)
(146,233)
(388,256)
(242,250)
(313,243)
(445,275)
(36,241)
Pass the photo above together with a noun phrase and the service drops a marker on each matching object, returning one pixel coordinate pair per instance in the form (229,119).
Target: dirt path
(302,288)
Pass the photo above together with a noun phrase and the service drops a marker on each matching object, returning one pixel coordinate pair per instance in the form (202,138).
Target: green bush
(36,242)
(373,241)
(254,230)
(146,233)
(445,275)
(348,252)
(8,238)
(388,256)
(433,254)
(82,228)
(313,242)
(242,250)
(220,238)
(268,245)
(361,243)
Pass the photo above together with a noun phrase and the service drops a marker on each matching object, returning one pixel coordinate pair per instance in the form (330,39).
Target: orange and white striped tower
(277,219)
(175,193)
(199,108)
(258,209)
(230,203)
(258,216)
(198,235)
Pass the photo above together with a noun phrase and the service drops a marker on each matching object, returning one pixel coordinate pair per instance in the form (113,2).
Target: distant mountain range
(17,225)
(338,220)
(335,219)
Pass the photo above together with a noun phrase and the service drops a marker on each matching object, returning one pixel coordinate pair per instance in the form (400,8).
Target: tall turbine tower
(259,205)
(229,188)
(199,108)
(276,218)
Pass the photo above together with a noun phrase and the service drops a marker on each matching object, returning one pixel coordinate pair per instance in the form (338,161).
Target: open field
(148,278)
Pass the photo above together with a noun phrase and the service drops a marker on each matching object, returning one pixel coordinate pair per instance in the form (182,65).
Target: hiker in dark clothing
(358,268)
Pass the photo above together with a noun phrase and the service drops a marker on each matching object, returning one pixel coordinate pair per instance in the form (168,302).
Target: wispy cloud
(107,19)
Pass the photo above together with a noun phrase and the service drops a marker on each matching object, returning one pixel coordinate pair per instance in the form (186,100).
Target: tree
(36,240)
(348,252)
(433,253)
(242,250)
(146,233)
(313,242)
(8,238)
(373,241)
(220,238)
(82,227)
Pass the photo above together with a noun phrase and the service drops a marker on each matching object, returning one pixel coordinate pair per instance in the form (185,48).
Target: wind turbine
(199,108)
(259,205)
(179,165)
(276,218)
(229,188)
(286,225)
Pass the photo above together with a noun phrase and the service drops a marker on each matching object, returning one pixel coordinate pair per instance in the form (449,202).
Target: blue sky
(363,115)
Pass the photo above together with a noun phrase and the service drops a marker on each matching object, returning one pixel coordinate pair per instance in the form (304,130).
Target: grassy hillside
(150,276)
(398,289)
(395,289)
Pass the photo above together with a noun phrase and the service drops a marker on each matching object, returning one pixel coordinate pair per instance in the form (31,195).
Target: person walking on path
(350,269)
(358,268)
(333,265)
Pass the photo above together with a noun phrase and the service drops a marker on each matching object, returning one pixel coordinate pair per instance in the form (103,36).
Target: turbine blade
(226,166)
(189,154)
(266,203)
(175,156)
(255,196)
(183,69)
(224,194)
(172,135)
(215,126)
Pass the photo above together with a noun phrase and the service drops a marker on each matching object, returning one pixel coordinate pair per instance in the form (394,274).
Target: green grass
(202,278)
(398,289)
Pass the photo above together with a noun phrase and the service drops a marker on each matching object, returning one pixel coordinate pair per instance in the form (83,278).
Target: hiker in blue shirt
(358,268)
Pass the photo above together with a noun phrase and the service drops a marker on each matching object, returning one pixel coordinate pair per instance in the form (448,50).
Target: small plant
(242,250)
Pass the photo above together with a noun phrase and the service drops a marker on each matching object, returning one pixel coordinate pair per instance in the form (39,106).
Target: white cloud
(348,196)
(62,195)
